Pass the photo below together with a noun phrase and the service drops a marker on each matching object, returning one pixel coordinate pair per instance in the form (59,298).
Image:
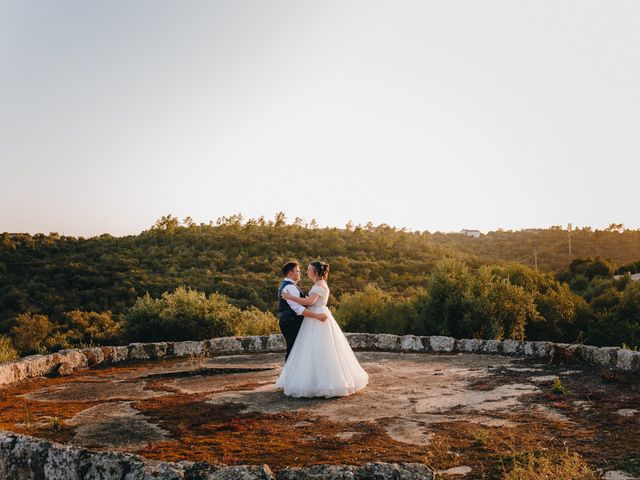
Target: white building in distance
(471,233)
(635,277)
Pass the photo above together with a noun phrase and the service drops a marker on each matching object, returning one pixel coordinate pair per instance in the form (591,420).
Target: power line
(537,252)
(552,246)
(522,259)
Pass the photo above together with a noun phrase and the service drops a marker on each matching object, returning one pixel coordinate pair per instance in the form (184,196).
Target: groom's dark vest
(284,309)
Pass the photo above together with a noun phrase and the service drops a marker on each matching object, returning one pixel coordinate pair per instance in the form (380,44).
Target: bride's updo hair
(321,269)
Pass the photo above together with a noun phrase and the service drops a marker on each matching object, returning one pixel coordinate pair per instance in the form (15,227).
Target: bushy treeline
(614,300)
(492,302)
(586,304)
(184,314)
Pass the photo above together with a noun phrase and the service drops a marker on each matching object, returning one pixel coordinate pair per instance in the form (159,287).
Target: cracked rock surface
(168,417)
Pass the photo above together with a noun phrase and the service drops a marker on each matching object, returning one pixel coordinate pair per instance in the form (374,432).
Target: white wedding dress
(321,362)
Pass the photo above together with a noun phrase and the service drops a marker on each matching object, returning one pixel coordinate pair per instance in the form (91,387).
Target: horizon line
(242,221)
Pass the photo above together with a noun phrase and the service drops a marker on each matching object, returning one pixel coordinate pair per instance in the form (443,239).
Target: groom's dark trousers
(290,328)
(289,321)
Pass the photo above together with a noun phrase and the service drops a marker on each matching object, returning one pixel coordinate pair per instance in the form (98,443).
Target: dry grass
(566,466)
(41,419)
(220,434)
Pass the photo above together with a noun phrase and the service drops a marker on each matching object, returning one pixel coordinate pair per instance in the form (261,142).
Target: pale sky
(420,114)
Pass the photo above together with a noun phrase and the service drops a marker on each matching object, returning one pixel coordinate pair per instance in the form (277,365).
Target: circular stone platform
(447,410)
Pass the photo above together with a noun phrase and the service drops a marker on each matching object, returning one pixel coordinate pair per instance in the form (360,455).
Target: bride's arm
(307,301)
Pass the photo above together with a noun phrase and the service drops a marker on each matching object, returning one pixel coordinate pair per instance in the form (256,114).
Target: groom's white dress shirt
(291,289)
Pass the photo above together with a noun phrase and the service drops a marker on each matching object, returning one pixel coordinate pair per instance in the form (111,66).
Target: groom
(290,313)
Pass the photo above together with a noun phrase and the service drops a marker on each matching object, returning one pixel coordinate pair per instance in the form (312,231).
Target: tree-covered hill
(618,245)
(53,274)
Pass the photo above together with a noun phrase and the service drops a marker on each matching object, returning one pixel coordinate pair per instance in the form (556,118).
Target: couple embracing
(319,361)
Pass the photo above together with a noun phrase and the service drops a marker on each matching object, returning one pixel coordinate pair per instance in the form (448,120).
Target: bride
(321,362)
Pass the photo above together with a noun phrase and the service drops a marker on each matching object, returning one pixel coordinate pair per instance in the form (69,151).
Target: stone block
(253,343)
(492,346)
(628,359)
(387,342)
(71,361)
(538,349)
(160,349)
(226,346)
(511,347)
(607,356)
(137,351)
(411,343)
(8,373)
(469,345)
(442,344)
(361,341)
(190,348)
(276,343)
(95,355)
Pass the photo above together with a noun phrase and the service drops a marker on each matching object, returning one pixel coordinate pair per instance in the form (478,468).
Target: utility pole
(569,228)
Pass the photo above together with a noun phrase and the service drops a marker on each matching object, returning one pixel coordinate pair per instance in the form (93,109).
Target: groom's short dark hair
(288,267)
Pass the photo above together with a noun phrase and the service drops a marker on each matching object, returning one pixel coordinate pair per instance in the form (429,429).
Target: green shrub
(557,308)
(7,352)
(30,332)
(558,388)
(63,340)
(374,311)
(90,328)
(618,322)
(497,308)
(443,305)
(464,304)
(184,314)
(256,322)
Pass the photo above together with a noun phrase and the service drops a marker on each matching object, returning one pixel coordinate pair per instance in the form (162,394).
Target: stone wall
(28,458)
(66,362)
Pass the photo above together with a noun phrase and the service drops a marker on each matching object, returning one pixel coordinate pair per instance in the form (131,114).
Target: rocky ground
(466,415)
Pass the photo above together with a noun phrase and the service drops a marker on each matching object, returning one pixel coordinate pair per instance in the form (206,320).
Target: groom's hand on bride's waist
(318,316)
